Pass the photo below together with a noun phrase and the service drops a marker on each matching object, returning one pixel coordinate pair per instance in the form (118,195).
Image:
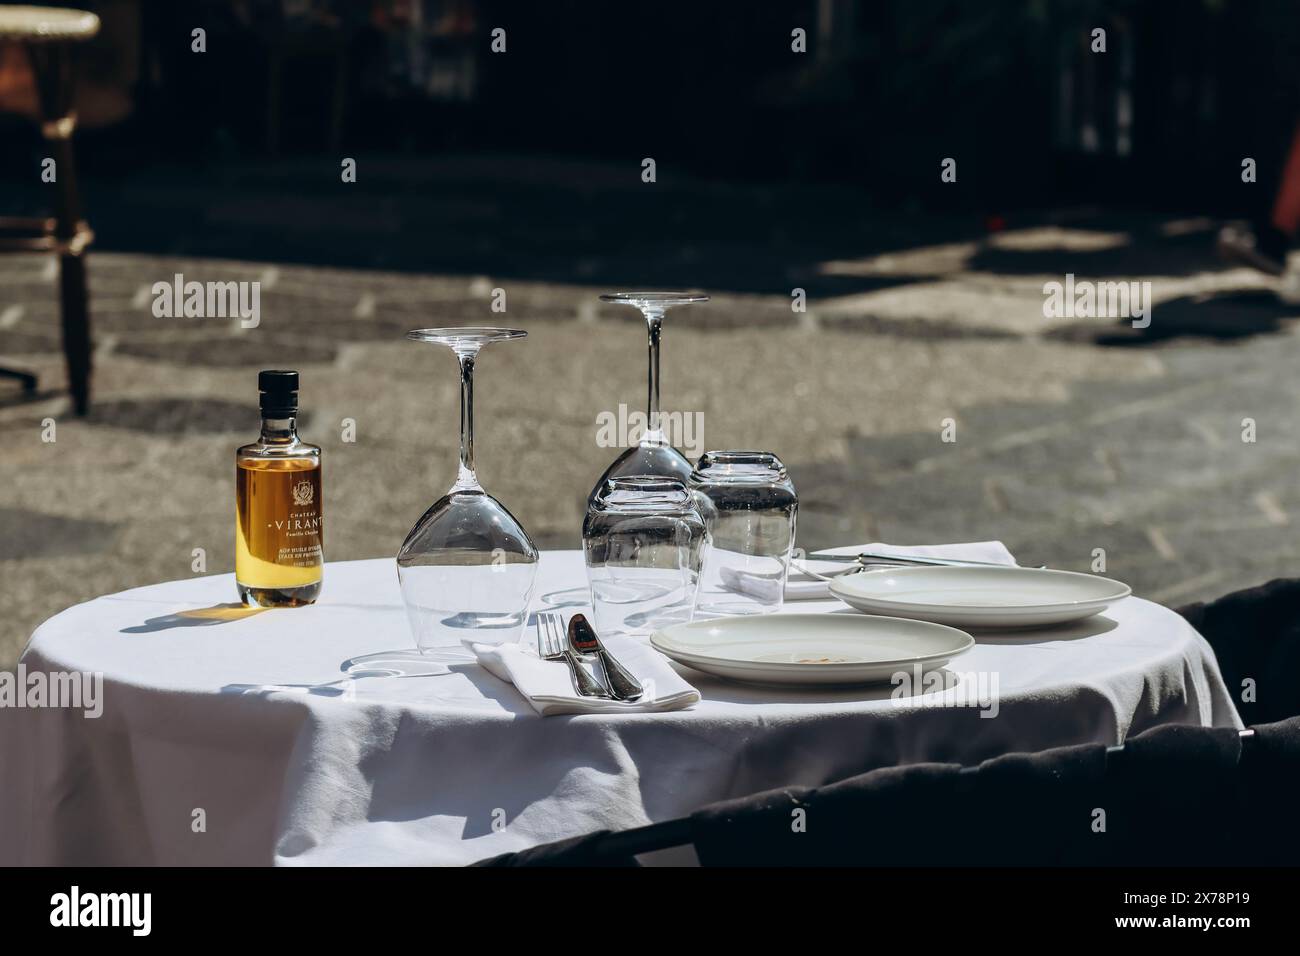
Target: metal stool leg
(76,328)
(52,67)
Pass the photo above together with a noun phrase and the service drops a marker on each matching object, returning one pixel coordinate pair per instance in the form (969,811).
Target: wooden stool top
(46,24)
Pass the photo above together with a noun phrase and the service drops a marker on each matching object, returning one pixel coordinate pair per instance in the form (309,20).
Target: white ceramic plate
(811,648)
(980,597)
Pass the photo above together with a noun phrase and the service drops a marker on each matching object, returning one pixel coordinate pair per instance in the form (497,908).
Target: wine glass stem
(466,480)
(654,324)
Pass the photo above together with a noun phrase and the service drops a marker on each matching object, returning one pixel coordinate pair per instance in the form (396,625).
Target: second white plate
(811,648)
(980,597)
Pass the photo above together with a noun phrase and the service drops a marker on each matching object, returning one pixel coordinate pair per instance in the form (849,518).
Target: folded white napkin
(549,688)
(804,587)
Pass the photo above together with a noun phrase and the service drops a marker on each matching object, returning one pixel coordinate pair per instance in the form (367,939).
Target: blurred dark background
(220,153)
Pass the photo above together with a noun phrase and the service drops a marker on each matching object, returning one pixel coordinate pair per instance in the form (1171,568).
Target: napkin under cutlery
(801,586)
(547,687)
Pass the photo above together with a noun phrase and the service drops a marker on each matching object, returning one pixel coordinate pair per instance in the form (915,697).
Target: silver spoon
(583,640)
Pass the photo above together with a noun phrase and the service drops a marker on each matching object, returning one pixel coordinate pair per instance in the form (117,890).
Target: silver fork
(553,646)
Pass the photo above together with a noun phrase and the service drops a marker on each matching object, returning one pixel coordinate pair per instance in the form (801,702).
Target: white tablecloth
(233,738)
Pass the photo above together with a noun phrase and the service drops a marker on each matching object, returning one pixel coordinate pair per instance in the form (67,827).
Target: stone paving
(1070,435)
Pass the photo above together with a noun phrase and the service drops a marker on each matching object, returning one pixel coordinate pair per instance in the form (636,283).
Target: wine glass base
(470,336)
(448,654)
(568,597)
(654,300)
(403,663)
(733,609)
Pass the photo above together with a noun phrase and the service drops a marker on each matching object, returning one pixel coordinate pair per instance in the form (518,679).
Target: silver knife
(868,557)
(583,640)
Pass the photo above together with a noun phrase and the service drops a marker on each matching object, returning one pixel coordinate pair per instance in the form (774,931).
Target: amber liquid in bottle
(279,559)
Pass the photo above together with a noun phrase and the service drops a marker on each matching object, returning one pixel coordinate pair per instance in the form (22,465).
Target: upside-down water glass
(749,504)
(644,542)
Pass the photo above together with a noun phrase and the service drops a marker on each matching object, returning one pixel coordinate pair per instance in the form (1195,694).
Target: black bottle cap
(279,393)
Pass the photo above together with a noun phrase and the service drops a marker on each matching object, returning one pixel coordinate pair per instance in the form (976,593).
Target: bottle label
(279,533)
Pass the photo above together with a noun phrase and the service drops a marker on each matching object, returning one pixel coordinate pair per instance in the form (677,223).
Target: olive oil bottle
(279,559)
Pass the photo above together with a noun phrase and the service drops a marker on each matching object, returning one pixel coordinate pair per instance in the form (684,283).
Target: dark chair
(1172,796)
(1255,634)
(48,35)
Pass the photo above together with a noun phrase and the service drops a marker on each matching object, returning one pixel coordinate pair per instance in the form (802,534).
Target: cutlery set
(579,648)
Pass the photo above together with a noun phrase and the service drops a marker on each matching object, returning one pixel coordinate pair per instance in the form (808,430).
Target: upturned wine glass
(468,567)
(653,455)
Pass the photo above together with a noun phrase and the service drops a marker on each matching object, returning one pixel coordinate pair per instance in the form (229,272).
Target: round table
(234,736)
